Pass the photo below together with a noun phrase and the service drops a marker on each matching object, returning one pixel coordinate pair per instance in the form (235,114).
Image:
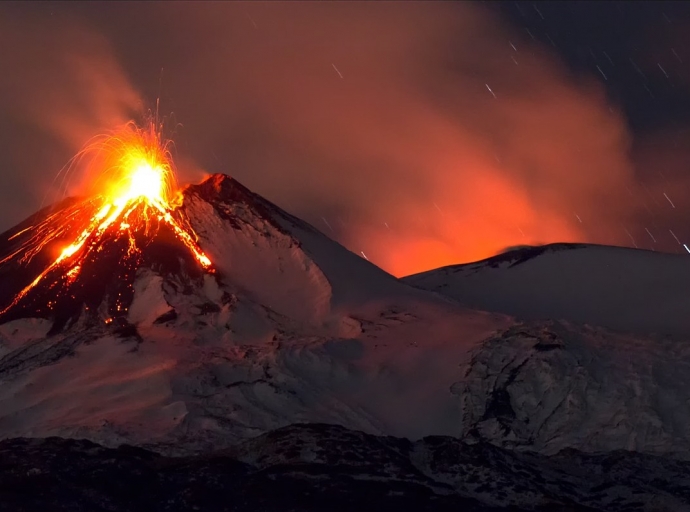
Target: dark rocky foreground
(323,467)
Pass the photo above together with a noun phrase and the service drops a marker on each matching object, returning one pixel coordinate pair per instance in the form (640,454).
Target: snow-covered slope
(280,260)
(623,289)
(208,379)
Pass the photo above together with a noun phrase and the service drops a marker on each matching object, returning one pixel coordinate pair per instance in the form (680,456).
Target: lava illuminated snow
(134,190)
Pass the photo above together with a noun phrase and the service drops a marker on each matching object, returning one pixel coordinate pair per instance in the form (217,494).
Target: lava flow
(135,191)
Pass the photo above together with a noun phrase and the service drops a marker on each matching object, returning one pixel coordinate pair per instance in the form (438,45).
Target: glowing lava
(134,191)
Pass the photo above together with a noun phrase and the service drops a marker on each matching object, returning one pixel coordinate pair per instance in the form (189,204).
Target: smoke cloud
(417,134)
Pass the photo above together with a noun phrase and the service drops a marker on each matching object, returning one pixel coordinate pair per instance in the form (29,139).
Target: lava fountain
(133,190)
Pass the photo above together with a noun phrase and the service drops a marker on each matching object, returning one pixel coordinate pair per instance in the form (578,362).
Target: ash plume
(420,135)
(417,134)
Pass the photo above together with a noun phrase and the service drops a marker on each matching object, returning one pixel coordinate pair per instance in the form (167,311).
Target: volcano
(108,229)
(102,289)
(287,332)
(166,349)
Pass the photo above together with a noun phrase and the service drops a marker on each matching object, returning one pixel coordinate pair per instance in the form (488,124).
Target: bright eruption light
(134,190)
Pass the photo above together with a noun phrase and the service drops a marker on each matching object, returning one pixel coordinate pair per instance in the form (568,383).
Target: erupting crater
(85,249)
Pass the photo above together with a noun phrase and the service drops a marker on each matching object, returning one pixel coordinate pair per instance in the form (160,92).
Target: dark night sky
(615,41)
(420,134)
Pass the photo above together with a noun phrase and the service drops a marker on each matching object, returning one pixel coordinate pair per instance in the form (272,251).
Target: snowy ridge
(624,289)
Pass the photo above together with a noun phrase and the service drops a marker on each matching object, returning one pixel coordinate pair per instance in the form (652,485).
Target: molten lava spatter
(133,193)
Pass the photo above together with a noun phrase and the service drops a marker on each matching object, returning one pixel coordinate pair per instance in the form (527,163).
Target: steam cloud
(60,86)
(420,134)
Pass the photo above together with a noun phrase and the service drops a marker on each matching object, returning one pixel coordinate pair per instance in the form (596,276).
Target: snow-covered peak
(276,254)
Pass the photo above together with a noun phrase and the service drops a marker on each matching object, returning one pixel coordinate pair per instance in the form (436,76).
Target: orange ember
(134,190)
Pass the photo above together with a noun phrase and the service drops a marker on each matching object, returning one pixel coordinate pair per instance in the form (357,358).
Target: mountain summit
(619,288)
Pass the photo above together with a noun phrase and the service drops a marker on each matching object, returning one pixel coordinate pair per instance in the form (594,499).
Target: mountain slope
(265,242)
(624,289)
